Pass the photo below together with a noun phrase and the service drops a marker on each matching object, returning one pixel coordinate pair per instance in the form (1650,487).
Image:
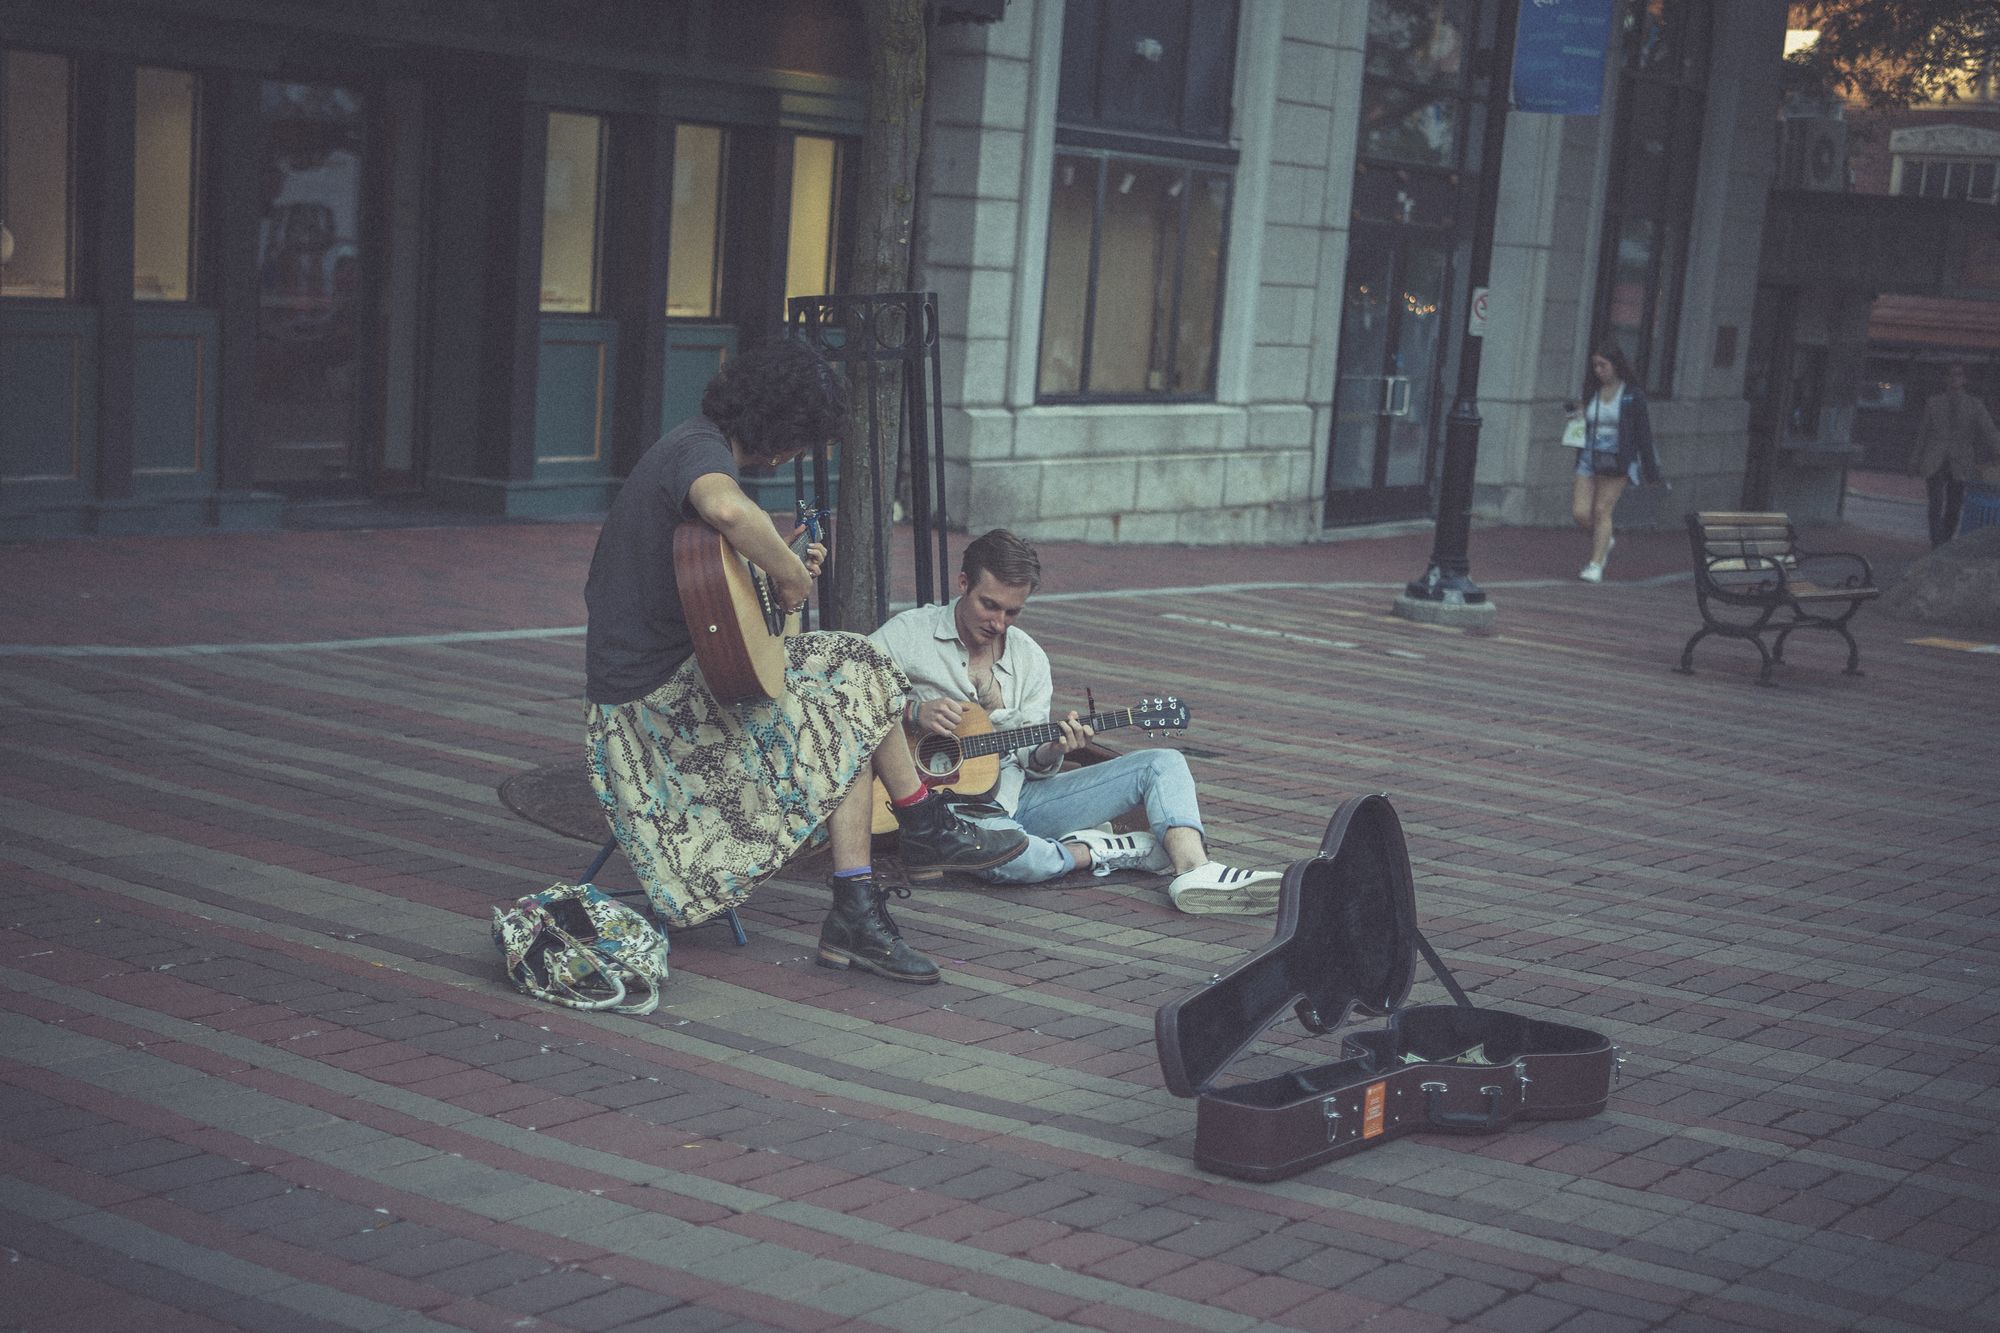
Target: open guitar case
(1346,944)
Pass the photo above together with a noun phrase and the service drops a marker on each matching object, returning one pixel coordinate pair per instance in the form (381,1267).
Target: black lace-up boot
(859,932)
(933,839)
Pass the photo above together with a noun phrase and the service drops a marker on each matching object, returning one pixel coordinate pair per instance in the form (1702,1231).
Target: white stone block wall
(1243,468)
(1250,466)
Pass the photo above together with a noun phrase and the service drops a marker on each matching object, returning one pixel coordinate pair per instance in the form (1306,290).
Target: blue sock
(862,873)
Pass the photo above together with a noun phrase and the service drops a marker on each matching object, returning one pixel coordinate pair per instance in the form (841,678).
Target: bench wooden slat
(1746,532)
(1771,548)
(1809,592)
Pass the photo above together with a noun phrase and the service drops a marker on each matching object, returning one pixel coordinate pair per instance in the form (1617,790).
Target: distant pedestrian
(1955,429)
(1617,451)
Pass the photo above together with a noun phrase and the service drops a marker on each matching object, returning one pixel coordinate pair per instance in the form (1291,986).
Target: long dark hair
(776,398)
(1612,352)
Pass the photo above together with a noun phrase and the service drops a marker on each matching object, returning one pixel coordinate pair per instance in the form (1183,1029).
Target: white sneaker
(1591,573)
(1216,888)
(1121,851)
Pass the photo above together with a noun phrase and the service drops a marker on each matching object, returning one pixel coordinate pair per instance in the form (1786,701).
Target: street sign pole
(1446,593)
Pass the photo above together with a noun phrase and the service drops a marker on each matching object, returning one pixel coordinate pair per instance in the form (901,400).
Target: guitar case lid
(1345,942)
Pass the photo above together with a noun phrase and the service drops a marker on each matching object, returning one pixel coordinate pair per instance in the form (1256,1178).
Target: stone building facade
(1249,460)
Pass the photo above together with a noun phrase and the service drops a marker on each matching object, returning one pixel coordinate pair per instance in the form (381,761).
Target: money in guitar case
(1346,944)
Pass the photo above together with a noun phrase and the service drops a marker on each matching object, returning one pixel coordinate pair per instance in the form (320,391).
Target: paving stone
(1793,992)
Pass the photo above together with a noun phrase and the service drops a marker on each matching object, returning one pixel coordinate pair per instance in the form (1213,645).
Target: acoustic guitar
(739,629)
(968,760)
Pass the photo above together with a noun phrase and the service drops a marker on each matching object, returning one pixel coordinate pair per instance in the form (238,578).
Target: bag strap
(1441,972)
(560,991)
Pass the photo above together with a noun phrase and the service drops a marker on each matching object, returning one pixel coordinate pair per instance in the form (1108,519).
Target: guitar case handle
(1490,1121)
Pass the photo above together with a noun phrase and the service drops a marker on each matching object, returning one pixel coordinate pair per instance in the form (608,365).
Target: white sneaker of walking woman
(1214,888)
(1594,572)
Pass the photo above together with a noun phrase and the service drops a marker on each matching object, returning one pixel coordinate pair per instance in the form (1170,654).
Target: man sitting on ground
(970,651)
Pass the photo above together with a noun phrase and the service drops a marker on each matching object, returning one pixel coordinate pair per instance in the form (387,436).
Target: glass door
(1391,355)
(310,261)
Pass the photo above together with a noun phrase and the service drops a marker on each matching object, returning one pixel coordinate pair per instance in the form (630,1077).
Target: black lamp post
(1446,592)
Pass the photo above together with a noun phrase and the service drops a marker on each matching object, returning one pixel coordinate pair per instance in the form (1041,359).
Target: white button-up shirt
(924,643)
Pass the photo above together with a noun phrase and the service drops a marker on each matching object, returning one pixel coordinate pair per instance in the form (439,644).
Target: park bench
(1750,576)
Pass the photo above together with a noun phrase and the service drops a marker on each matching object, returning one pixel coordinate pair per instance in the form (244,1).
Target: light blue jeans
(1092,794)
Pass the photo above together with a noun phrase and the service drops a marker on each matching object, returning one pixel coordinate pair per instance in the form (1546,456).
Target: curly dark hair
(776,398)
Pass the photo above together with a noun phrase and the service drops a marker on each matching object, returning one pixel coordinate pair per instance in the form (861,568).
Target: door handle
(1388,395)
(1397,396)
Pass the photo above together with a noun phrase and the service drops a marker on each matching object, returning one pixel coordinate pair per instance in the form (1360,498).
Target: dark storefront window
(1137,215)
(572,214)
(1650,195)
(1971,179)
(35,155)
(312,255)
(164,171)
(810,255)
(694,237)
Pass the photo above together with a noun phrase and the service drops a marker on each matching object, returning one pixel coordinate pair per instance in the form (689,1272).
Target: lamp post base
(1452,615)
(1452,600)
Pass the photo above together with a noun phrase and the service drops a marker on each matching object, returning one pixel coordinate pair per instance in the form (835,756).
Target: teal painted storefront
(415,355)
(48,473)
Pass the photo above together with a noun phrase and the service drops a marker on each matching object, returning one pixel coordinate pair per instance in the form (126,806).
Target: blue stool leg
(604,854)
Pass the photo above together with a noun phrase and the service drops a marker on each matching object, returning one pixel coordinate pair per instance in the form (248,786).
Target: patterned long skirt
(710,799)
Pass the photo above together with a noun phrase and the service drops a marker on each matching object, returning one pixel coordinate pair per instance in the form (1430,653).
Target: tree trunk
(879,261)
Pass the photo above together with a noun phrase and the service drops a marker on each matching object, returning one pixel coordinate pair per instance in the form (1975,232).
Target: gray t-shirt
(638,635)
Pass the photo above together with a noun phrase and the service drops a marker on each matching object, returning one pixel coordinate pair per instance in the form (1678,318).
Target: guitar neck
(1000,742)
(774,615)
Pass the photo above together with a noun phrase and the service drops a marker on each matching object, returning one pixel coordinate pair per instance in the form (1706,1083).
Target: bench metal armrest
(1835,569)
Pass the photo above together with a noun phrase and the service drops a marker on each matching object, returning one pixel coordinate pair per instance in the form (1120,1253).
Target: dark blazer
(1635,432)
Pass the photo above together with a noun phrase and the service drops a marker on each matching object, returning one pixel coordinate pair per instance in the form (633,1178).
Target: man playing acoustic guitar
(708,799)
(970,651)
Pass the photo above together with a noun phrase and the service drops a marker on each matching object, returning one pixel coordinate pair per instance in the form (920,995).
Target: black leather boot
(933,839)
(858,932)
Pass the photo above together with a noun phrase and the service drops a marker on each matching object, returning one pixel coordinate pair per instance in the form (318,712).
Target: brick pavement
(258,1070)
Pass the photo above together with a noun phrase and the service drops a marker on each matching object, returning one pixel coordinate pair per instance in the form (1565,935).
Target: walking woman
(1617,452)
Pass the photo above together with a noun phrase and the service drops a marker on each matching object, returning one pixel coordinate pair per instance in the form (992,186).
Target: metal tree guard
(864,335)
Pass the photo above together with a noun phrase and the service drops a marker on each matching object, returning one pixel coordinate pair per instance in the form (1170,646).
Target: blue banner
(1559,56)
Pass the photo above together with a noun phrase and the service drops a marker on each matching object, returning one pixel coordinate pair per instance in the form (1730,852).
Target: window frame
(1925,163)
(1679,83)
(840,161)
(600,183)
(719,223)
(70,292)
(1086,131)
(193,275)
(1171,313)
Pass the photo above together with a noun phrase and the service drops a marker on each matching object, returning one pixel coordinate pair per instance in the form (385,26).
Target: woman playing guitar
(707,798)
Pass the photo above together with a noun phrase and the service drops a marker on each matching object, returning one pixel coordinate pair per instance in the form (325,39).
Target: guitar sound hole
(939,760)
